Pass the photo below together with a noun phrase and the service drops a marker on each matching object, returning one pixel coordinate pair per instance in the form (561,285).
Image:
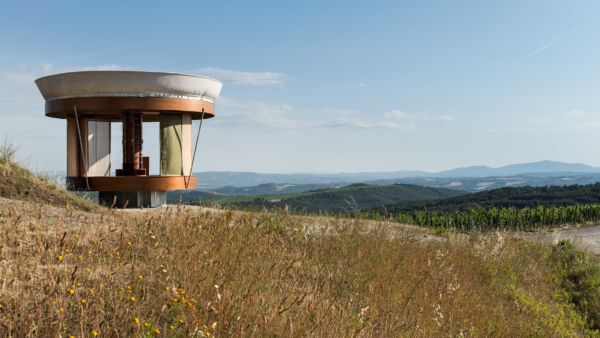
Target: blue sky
(336,86)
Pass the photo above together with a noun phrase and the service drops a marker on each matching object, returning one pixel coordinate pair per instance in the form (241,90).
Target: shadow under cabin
(90,101)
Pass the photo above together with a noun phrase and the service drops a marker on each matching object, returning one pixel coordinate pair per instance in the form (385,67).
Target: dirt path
(585,237)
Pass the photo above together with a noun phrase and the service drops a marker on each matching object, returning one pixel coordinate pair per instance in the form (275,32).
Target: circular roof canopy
(106,94)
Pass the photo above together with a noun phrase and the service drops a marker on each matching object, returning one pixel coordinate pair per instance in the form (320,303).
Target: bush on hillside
(580,278)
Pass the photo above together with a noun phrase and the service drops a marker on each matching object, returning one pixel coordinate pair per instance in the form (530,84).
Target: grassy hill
(186,271)
(517,197)
(349,199)
(19,183)
(227,195)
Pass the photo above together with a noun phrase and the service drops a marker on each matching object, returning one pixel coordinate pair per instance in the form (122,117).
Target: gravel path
(585,237)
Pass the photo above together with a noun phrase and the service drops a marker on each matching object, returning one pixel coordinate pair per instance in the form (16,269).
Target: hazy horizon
(354,172)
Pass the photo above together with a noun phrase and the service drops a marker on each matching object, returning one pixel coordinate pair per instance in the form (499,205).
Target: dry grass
(19,183)
(187,272)
(181,273)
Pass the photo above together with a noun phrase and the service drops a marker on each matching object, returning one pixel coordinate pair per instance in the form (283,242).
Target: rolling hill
(517,197)
(272,189)
(349,199)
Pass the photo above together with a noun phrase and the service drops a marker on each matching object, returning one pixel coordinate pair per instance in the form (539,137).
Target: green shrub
(580,279)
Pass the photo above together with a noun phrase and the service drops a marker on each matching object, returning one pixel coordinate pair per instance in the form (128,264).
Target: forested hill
(352,198)
(518,197)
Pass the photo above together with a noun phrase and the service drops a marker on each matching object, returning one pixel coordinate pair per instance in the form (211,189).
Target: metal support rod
(195,148)
(83,157)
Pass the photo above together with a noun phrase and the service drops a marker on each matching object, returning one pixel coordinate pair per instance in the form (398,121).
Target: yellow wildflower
(59,258)
(147,324)
(94,333)
(132,299)
(156,331)
(83,301)
(87,270)
(71,292)
(92,291)
(136,320)
(80,257)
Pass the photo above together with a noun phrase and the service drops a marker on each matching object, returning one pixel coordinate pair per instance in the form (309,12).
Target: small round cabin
(91,100)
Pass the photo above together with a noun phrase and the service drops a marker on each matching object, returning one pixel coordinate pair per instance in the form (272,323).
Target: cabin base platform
(133,199)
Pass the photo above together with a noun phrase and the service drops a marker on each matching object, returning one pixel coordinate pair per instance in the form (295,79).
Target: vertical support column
(127,124)
(132,145)
(82,165)
(171,162)
(186,143)
(98,148)
(72,148)
(137,140)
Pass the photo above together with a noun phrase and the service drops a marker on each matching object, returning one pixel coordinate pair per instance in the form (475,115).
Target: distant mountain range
(541,167)
(219,179)
(474,178)
(469,184)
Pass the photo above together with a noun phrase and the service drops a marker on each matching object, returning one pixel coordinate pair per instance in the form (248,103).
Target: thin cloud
(358,85)
(397,115)
(544,47)
(570,120)
(264,116)
(574,120)
(257,115)
(241,78)
(421,89)
(503,130)
(100,67)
